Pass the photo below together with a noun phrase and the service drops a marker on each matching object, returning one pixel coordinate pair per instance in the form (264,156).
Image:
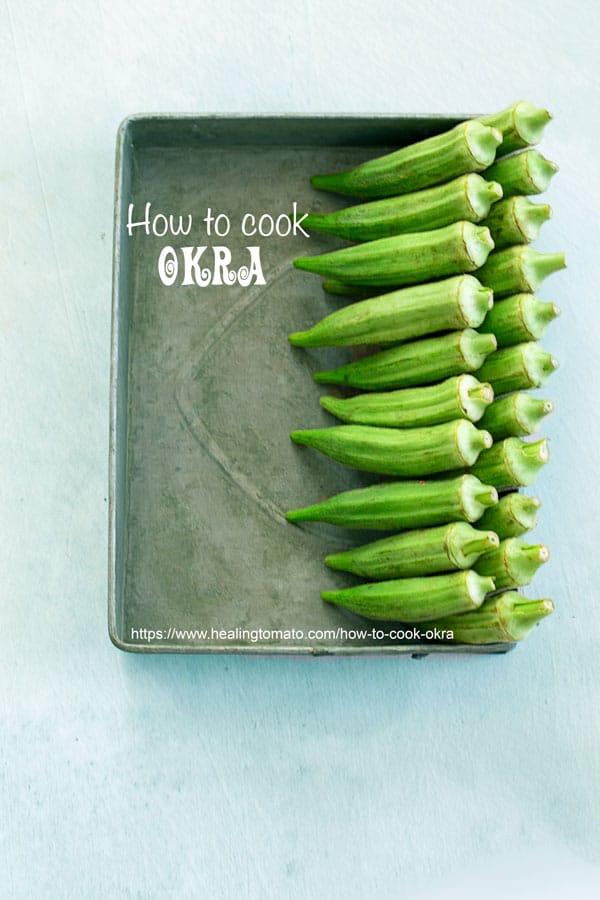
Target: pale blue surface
(220,777)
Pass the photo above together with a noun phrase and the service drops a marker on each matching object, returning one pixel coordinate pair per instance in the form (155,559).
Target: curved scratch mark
(193,420)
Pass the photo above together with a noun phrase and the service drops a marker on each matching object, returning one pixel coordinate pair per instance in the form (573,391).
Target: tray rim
(414,651)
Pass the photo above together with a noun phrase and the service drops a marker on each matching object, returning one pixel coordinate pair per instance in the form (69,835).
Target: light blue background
(152,777)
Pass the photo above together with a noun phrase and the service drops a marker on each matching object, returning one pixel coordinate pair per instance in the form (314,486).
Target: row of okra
(443,406)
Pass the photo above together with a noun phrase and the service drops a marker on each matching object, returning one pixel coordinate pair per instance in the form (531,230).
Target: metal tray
(205,390)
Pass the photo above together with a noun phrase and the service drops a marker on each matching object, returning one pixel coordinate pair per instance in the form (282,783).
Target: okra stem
(402,315)
(512,462)
(468,147)
(468,198)
(403,452)
(406,258)
(416,363)
(515,368)
(487,496)
(479,544)
(400,505)
(519,268)
(519,319)
(513,563)
(525,173)
(504,617)
(514,515)
(414,599)
(521,124)
(515,415)
(516,220)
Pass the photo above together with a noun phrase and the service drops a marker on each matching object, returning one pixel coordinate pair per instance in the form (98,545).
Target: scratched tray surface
(206,390)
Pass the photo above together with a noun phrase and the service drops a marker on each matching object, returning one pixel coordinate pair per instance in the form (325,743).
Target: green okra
(416,363)
(516,220)
(414,599)
(468,147)
(405,452)
(519,268)
(460,397)
(514,415)
(501,618)
(426,551)
(515,514)
(519,319)
(406,258)
(512,462)
(468,198)
(516,368)
(400,505)
(521,124)
(525,173)
(513,563)
(341,289)
(412,312)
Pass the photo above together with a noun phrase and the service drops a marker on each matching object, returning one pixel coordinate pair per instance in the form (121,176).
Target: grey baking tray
(205,390)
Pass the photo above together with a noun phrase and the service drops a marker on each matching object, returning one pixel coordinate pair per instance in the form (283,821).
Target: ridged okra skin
(516,220)
(514,515)
(517,368)
(400,505)
(518,269)
(502,618)
(521,124)
(345,289)
(512,564)
(414,599)
(468,198)
(426,551)
(416,363)
(512,462)
(406,258)
(519,319)
(404,452)
(514,415)
(409,313)
(525,173)
(460,397)
(468,147)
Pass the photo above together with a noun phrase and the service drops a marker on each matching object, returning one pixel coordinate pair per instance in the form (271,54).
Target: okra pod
(411,312)
(406,258)
(460,397)
(514,415)
(425,551)
(512,462)
(468,147)
(525,173)
(512,516)
(404,452)
(513,563)
(416,363)
(517,220)
(468,198)
(504,617)
(400,505)
(521,124)
(519,319)
(519,268)
(515,368)
(414,599)
(341,289)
